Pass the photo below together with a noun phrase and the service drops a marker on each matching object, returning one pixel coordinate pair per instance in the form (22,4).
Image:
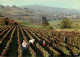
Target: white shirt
(24,44)
(31,41)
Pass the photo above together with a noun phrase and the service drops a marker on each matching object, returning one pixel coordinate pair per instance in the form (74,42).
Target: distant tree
(1,15)
(65,23)
(6,21)
(3,21)
(14,5)
(77,25)
(15,23)
(44,21)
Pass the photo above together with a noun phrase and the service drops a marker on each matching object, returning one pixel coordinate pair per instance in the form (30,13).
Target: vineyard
(57,43)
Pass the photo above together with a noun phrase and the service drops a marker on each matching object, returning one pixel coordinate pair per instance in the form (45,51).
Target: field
(57,43)
(54,23)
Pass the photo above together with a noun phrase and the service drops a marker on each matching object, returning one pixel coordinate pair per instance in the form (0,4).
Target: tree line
(65,23)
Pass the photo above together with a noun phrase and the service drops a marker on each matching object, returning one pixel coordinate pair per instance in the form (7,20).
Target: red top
(43,44)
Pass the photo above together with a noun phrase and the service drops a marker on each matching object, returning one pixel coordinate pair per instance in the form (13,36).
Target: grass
(53,23)
(75,22)
(31,25)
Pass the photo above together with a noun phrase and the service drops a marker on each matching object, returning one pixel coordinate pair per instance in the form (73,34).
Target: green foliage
(1,15)
(65,23)
(44,22)
(48,27)
(63,44)
(2,21)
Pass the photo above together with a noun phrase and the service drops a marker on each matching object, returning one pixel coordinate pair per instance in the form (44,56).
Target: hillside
(53,10)
(34,13)
(8,21)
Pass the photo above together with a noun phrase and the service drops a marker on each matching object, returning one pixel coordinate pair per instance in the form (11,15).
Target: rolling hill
(52,10)
(34,13)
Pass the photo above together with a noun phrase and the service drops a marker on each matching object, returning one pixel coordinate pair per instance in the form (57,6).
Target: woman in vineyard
(43,43)
(24,46)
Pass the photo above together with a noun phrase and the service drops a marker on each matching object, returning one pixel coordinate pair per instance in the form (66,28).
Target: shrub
(48,27)
(65,23)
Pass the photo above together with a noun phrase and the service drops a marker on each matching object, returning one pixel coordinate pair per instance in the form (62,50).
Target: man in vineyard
(31,42)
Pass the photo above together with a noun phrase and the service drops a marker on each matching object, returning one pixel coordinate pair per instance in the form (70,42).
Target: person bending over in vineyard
(24,45)
(31,42)
(43,43)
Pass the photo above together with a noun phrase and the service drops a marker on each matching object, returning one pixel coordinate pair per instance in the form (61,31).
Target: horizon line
(39,5)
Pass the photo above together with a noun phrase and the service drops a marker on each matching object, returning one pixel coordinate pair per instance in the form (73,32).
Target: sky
(70,4)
